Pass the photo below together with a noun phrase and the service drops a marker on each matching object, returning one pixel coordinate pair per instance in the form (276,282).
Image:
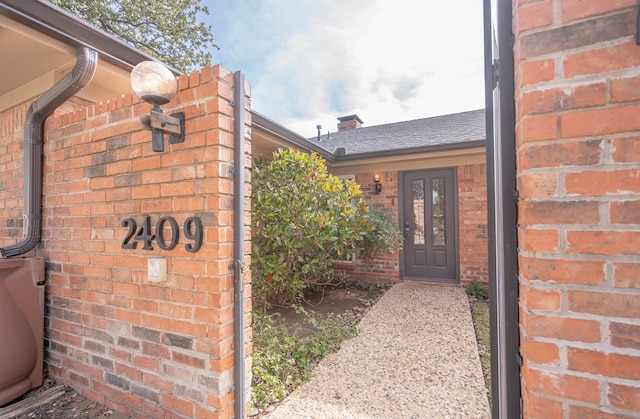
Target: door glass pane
(418,211)
(437,211)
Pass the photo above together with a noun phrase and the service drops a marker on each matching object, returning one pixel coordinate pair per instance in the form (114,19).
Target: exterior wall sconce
(155,84)
(378,186)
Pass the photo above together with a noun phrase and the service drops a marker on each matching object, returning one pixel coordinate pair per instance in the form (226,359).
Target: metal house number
(192,230)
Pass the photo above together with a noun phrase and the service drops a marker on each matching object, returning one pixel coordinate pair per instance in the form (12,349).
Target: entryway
(429,225)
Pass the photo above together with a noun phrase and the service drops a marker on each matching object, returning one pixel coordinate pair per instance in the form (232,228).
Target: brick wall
(11,173)
(577,98)
(382,268)
(148,349)
(472,223)
(472,219)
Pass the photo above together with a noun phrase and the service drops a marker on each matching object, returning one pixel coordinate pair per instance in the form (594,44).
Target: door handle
(407,229)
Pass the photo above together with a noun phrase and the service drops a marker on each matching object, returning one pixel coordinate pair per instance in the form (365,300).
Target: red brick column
(472,221)
(578,163)
(145,348)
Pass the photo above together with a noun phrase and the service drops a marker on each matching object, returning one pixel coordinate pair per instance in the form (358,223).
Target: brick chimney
(349,122)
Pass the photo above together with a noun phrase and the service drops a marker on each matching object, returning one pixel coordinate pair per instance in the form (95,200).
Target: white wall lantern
(154,83)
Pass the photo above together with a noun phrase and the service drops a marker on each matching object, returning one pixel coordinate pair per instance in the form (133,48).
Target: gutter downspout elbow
(81,75)
(238,247)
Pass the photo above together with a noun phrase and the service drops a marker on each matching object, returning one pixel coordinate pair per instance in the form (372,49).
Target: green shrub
(303,219)
(477,289)
(384,237)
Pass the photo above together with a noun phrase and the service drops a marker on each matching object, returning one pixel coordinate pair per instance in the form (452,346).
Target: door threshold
(429,281)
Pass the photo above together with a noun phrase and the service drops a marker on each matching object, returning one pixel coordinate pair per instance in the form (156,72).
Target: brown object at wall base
(21,326)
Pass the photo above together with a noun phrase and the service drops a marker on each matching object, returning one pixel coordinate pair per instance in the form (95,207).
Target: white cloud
(312,61)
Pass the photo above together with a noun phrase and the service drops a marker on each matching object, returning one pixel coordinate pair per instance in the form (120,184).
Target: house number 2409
(192,229)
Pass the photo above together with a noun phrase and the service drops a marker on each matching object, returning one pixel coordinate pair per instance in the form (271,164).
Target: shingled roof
(442,130)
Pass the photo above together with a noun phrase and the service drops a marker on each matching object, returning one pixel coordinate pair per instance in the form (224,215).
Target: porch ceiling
(31,62)
(38,43)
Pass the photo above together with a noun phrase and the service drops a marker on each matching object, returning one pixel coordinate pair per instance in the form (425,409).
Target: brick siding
(472,223)
(382,268)
(578,172)
(147,349)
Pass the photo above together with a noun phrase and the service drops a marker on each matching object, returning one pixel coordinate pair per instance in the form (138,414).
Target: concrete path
(415,357)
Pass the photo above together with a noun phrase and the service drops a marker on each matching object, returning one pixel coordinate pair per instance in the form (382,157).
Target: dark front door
(429,225)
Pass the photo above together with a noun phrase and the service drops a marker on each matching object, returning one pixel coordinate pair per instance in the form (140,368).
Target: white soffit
(31,62)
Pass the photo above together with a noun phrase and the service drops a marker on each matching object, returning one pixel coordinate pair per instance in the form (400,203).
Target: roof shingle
(433,131)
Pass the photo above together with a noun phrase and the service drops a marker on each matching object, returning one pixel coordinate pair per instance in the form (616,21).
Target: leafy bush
(282,359)
(303,219)
(477,289)
(383,238)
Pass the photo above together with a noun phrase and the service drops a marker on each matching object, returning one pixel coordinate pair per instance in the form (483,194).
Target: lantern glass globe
(153,82)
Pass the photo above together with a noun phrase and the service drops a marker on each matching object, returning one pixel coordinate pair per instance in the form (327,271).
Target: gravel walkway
(415,357)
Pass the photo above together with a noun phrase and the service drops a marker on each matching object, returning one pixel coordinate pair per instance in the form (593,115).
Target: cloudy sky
(311,61)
